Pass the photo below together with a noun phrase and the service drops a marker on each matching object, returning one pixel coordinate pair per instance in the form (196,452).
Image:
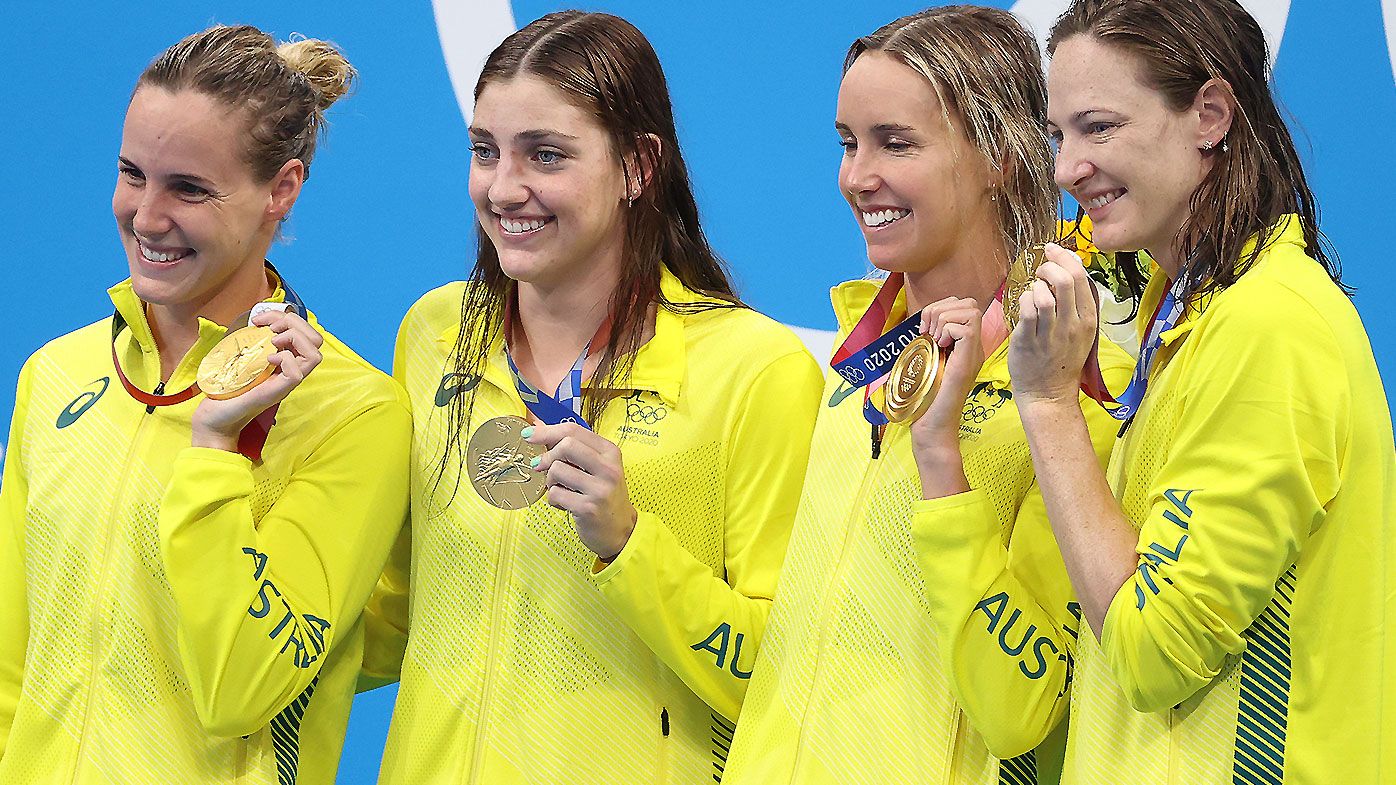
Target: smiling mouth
(152,255)
(880,218)
(1104,199)
(520,227)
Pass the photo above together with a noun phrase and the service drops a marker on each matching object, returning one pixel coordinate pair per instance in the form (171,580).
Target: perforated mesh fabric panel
(850,661)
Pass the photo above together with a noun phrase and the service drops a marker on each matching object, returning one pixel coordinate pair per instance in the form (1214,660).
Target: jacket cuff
(642,541)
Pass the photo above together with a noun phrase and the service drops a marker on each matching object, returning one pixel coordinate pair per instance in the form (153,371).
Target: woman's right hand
(955,325)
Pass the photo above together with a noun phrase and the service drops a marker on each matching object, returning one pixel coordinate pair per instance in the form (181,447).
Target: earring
(1224,148)
(1207,145)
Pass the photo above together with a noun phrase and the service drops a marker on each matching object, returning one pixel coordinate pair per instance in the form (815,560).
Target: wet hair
(1256,176)
(607,68)
(282,89)
(987,72)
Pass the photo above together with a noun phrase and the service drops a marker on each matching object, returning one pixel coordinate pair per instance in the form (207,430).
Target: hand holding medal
(251,370)
(584,476)
(1056,330)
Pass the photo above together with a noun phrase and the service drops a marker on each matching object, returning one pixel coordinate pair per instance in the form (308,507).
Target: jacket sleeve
(386,615)
(260,602)
(1006,617)
(14,604)
(1252,464)
(707,629)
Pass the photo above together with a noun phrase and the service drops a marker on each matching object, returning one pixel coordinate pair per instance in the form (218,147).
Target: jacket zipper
(99,593)
(662,770)
(502,575)
(840,568)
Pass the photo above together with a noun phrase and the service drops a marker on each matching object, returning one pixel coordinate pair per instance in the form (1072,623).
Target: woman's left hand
(586,478)
(1056,329)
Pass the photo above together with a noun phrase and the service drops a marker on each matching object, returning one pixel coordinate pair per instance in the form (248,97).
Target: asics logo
(844,390)
(82,403)
(453,384)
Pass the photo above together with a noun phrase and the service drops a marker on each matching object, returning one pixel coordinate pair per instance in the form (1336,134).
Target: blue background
(386,215)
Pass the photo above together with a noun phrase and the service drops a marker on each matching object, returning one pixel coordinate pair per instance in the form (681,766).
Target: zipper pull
(159,390)
(1124,426)
(664,722)
(876,442)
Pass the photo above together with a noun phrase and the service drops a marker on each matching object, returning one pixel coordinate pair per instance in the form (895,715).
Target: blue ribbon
(1169,313)
(565,407)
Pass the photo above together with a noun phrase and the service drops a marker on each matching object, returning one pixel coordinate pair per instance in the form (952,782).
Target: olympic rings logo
(851,374)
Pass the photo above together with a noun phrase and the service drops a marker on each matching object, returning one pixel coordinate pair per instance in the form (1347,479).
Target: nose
(508,186)
(1070,168)
(858,174)
(147,210)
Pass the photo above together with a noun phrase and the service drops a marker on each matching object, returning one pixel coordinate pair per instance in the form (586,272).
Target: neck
(976,269)
(175,326)
(556,322)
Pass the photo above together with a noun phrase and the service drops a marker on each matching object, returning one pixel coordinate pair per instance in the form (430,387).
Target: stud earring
(1207,145)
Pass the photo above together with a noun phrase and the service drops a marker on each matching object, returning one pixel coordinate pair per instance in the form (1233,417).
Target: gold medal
(1020,278)
(237,363)
(914,380)
(500,464)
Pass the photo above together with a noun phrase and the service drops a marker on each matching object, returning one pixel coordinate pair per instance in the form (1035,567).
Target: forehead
(880,88)
(1087,74)
(183,131)
(527,102)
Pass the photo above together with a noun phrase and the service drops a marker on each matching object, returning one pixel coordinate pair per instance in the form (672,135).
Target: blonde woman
(923,627)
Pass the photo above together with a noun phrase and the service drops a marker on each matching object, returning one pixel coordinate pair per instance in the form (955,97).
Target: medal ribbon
(254,435)
(1167,314)
(565,405)
(866,356)
(869,366)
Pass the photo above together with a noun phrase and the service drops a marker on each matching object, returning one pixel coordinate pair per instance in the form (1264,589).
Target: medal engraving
(237,363)
(500,464)
(914,380)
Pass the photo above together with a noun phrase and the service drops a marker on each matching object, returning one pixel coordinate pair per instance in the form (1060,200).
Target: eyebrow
(174,176)
(879,128)
(530,135)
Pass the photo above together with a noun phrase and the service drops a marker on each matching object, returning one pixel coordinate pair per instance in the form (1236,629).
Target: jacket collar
(1288,231)
(132,309)
(660,364)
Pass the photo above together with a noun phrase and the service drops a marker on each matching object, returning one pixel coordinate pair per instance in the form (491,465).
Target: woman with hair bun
(201,488)
(1235,564)
(608,447)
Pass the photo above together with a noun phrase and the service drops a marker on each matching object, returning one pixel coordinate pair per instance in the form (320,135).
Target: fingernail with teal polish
(527,432)
(537,459)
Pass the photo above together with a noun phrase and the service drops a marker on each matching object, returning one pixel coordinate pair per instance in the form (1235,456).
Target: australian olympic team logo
(82,403)
(984,402)
(645,408)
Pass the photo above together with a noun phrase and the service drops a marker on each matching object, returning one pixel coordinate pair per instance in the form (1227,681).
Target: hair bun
(322,64)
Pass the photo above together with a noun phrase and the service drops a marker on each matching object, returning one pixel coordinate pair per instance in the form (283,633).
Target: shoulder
(438,309)
(81,347)
(742,334)
(346,383)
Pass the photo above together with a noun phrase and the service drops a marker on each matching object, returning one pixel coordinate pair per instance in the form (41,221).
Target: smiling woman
(607,634)
(215,554)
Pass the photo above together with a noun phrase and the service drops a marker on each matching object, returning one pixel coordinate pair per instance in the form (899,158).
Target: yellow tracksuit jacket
(522,666)
(179,615)
(1254,644)
(913,639)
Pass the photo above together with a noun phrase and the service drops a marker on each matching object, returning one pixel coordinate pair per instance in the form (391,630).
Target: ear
(285,187)
(642,165)
(1215,107)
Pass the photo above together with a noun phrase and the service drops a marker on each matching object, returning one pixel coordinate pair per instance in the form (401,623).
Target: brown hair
(986,70)
(1255,177)
(610,70)
(283,89)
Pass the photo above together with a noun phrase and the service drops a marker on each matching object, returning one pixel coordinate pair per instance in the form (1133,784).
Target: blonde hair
(283,89)
(987,71)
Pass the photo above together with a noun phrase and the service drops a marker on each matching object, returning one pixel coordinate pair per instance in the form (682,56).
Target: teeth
(1104,199)
(522,227)
(884,217)
(161,257)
